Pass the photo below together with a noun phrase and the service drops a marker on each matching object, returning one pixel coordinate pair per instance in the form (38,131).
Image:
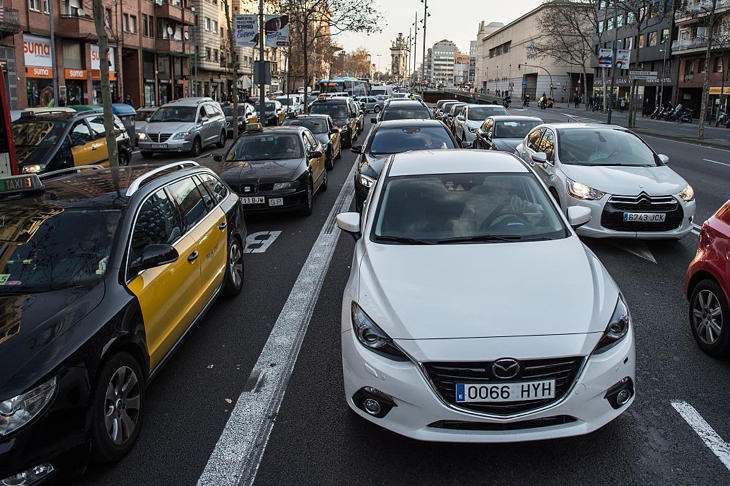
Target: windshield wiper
(403,239)
(484,238)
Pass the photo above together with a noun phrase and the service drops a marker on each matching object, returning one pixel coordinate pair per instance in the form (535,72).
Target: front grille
(613,212)
(446,375)
(158,137)
(521,425)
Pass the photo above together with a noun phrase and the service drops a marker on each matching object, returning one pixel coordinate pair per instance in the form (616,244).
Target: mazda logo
(505,368)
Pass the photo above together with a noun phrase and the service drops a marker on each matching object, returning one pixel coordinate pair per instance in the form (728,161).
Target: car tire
(123,159)
(196,148)
(234,269)
(708,310)
(146,155)
(112,402)
(376,110)
(329,162)
(222,140)
(306,210)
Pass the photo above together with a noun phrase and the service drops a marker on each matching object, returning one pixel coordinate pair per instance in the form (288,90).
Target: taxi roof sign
(21,183)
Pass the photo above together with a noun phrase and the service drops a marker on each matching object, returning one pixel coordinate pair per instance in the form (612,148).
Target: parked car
(435,349)
(275,169)
(186,125)
(504,132)
(274,113)
(470,118)
(708,286)
(628,187)
(51,141)
(102,277)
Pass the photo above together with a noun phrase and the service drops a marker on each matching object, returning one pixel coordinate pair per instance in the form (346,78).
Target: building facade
(472,63)
(461,69)
(399,59)
(480,66)
(443,58)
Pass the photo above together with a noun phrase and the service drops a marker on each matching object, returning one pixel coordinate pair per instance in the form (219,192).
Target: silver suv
(184,125)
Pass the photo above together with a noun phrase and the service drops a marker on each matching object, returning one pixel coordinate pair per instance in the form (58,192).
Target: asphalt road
(317,440)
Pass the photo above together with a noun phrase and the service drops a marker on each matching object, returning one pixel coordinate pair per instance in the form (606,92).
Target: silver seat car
(184,125)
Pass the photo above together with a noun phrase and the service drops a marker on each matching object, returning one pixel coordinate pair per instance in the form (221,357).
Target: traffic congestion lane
(190,400)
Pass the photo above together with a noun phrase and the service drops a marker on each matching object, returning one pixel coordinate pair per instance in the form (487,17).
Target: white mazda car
(627,186)
(473,313)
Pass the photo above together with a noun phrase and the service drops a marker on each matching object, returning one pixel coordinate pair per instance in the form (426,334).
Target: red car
(708,285)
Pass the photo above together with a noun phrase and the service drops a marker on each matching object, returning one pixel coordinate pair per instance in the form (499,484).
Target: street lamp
(661,80)
(426,15)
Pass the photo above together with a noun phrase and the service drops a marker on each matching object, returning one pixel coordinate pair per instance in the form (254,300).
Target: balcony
(9,21)
(173,46)
(173,10)
(681,45)
(77,26)
(700,9)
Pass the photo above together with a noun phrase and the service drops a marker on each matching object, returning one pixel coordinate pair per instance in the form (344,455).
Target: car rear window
(396,140)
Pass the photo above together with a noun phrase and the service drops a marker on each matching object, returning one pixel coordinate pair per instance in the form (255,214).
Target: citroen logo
(505,368)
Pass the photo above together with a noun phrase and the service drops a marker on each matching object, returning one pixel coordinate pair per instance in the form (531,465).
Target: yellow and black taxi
(324,130)
(275,169)
(51,141)
(341,112)
(102,273)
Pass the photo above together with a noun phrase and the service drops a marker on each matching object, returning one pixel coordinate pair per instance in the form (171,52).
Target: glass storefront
(39,91)
(149,93)
(165,91)
(96,92)
(75,91)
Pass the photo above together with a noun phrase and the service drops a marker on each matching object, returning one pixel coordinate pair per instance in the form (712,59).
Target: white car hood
(485,290)
(628,181)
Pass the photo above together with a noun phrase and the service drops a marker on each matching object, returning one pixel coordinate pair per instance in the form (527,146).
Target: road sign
(643,74)
(524,83)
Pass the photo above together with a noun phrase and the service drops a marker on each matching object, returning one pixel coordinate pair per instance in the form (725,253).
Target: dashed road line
(708,435)
(237,455)
(716,162)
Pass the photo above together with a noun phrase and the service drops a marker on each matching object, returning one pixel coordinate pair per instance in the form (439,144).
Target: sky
(455,20)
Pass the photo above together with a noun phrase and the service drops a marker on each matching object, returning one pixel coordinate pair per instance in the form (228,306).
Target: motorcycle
(723,119)
(506,102)
(684,116)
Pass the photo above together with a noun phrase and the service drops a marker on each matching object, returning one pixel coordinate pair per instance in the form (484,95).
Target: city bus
(353,86)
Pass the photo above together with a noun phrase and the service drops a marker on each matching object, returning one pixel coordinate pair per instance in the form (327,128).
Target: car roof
(405,102)
(410,122)
(515,118)
(59,116)
(454,161)
(562,126)
(279,129)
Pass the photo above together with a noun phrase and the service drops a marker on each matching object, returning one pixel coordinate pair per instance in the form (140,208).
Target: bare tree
(312,20)
(567,34)
(106,92)
(232,58)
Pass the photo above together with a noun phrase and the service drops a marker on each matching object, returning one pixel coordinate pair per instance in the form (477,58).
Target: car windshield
(37,133)
(396,140)
(462,208)
(143,115)
(514,128)
(454,110)
(406,113)
(174,114)
(269,106)
(228,110)
(266,146)
(48,248)
(335,110)
(479,113)
(601,146)
(315,125)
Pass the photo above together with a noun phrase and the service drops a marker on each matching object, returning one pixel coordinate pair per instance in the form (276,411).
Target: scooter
(723,119)
(655,113)
(684,116)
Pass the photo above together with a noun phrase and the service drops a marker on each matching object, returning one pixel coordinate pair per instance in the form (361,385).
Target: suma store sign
(37,51)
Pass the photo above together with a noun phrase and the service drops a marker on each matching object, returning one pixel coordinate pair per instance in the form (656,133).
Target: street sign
(524,83)
(643,74)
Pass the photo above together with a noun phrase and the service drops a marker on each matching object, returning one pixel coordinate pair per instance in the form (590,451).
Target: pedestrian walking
(128,100)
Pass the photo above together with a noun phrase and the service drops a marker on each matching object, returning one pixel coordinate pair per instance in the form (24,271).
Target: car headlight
(580,191)
(180,135)
(687,194)
(31,169)
(617,327)
(365,180)
(17,411)
(141,136)
(372,337)
(278,186)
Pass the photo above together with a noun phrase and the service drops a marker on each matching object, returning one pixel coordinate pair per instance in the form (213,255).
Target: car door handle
(193,256)
(222,226)
(94,147)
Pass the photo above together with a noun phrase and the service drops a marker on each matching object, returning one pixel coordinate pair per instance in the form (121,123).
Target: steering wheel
(508,219)
(499,215)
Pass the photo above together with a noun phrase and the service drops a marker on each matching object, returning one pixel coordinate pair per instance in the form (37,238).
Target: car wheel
(197,148)
(123,159)
(376,109)
(117,408)
(708,317)
(307,208)
(234,269)
(146,155)
(221,140)
(329,163)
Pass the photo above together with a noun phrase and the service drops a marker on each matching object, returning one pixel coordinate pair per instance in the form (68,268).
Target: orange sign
(75,73)
(715,90)
(96,75)
(38,72)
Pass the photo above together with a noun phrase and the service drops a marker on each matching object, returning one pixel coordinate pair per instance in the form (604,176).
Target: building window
(619,21)
(600,27)
(630,18)
(652,38)
(152,26)
(125,23)
(133,24)
(207,24)
(34,5)
(215,26)
(629,43)
(108,18)
(609,24)
(208,55)
(45,7)
(642,41)
(215,54)
(665,35)
(602,4)
(222,32)
(145,28)
(717,68)
(689,66)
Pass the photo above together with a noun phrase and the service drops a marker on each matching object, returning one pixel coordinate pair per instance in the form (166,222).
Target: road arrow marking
(635,247)
(708,435)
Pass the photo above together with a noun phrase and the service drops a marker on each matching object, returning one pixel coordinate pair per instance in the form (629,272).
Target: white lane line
(695,144)
(237,455)
(716,162)
(708,435)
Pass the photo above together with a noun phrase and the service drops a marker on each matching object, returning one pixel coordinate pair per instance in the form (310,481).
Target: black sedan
(504,132)
(324,130)
(275,169)
(392,137)
(404,109)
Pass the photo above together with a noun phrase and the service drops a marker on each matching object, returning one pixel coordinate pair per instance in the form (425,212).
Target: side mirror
(334,131)
(218,158)
(315,154)
(356,149)
(154,255)
(578,215)
(664,158)
(349,223)
(539,157)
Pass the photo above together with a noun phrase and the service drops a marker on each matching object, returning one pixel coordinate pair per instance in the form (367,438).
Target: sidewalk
(687,132)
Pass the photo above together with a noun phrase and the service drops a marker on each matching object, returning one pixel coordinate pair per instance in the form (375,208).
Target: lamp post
(423,66)
(661,77)
(53,52)
(415,46)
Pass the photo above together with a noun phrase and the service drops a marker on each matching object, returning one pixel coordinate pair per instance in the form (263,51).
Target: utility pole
(423,66)
(54,69)
(613,67)
(415,46)
(262,80)
(195,51)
